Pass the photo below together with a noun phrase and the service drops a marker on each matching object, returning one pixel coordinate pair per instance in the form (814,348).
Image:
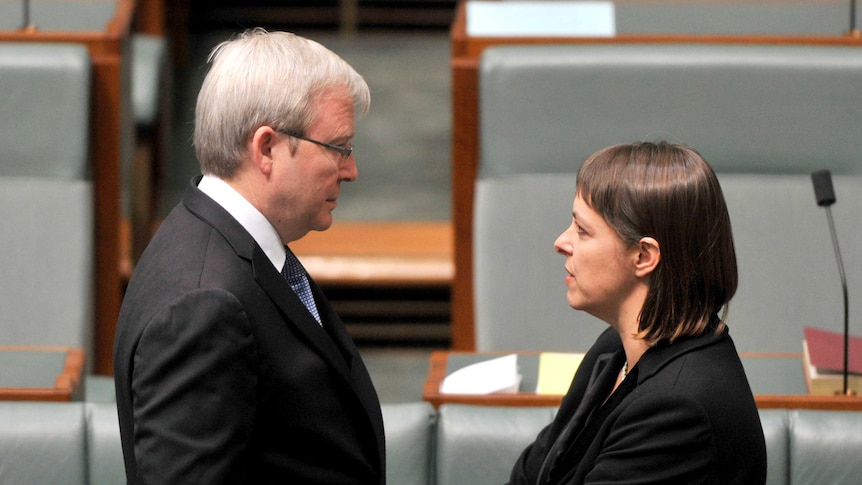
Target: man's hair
(264,78)
(670,193)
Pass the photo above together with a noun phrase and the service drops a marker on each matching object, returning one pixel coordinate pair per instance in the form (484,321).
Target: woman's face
(600,268)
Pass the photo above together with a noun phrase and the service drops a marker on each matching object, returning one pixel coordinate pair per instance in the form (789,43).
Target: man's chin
(323,224)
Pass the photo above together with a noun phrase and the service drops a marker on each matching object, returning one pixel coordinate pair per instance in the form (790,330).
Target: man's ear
(260,148)
(648,256)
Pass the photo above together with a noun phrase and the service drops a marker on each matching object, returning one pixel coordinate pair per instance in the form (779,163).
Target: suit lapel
(359,377)
(331,341)
(295,312)
(333,325)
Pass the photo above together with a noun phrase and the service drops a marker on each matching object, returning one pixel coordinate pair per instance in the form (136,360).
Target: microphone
(825,196)
(823,192)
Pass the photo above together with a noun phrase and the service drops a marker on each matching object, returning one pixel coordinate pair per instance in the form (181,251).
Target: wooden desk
(379,253)
(443,363)
(465,54)
(439,368)
(41,373)
(110,136)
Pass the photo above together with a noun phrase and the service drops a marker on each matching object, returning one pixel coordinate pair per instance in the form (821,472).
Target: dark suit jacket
(222,374)
(690,418)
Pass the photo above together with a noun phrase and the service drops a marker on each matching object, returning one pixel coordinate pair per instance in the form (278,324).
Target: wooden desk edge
(379,271)
(67,385)
(69,380)
(380,253)
(465,45)
(437,372)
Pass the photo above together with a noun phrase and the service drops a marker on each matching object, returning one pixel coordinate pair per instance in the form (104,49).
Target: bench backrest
(479,444)
(43,443)
(764,116)
(46,196)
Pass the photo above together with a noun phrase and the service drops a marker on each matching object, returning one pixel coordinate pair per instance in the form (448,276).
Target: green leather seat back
(764,116)
(43,443)
(825,447)
(46,196)
(409,442)
(44,110)
(104,449)
(479,444)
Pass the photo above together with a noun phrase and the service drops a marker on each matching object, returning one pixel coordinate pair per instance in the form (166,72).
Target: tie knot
(294,274)
(293,269)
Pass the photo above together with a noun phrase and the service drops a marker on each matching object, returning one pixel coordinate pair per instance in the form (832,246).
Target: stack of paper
(498,375)
(823,357)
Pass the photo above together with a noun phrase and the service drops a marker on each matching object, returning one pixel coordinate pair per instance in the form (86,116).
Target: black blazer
(689,418)
(222,374)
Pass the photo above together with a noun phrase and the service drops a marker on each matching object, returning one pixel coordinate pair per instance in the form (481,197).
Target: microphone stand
(825,196)
(26,24)
(847,391)
(854,31)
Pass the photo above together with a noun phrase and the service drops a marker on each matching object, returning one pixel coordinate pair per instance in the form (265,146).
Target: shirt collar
(247,215)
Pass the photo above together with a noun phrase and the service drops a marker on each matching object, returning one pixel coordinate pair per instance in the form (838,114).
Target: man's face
(306,181)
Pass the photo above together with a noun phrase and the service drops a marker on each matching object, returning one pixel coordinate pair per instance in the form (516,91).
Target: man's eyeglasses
(345,151)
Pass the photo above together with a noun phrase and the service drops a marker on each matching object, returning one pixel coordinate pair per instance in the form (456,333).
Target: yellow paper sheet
(556,370)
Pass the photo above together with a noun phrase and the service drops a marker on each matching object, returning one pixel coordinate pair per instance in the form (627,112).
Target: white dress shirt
(248,216)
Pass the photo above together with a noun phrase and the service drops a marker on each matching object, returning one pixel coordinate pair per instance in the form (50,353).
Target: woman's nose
(562,245)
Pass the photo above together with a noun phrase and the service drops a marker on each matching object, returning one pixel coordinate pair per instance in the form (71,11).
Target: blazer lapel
(295,312)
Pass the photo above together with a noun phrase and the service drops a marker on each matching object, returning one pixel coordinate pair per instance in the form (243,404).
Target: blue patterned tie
(295,275)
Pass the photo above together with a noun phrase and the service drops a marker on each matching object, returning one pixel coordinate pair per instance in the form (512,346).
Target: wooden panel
(150,17)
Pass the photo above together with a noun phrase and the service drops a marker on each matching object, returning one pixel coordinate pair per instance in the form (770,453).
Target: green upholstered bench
(79,443)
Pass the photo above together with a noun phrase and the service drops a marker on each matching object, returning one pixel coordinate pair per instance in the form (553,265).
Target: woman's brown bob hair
(670,193)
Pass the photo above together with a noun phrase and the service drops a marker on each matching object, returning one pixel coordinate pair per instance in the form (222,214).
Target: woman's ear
(648,256)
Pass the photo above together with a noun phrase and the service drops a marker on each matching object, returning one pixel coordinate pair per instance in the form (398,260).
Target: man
(231,366)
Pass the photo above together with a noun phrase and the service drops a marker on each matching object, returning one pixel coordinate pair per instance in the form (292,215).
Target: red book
(826,351)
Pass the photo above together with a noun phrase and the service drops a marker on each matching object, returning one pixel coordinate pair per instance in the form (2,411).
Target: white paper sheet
(538,19)
(498,375)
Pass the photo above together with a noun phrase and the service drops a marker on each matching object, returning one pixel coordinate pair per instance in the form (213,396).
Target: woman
(661,397)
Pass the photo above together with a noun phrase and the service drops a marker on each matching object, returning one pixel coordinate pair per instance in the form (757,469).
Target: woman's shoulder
(608,341)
